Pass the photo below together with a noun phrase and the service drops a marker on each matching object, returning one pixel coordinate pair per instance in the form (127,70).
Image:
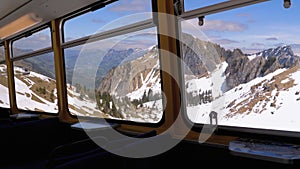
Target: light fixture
(201,20)
(287,3)
(19,25)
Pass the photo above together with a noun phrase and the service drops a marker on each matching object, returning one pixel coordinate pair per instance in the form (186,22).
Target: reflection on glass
(116,78)
(35,84)
(244,65)
(4,96)
(115,15)
(34,42)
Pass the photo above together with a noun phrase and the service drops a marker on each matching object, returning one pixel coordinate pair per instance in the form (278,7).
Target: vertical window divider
(167,30)
(10,78)
(60,71)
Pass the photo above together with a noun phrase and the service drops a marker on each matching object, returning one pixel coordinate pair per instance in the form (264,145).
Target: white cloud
(224,41)
(257,44)
(140,39)
(295,45)
(251,50)
(223,26)
(213,25)
(272,39)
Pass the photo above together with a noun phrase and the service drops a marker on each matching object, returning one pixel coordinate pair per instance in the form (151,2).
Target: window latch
(213,117)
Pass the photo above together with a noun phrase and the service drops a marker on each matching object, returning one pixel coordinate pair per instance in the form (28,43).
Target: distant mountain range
(252,82)
(44,64)
(142,73)
(280,51)
(241,68)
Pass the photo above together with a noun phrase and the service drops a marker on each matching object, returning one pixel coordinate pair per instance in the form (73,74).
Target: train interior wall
(48,143)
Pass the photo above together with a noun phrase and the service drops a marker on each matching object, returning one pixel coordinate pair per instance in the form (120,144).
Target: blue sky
(114,15)
(252,28)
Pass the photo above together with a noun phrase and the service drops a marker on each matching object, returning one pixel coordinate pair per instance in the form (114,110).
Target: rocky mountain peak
(243,68)
(275,52)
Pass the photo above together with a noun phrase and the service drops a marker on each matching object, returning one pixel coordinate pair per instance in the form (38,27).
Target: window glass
(243,64)
(125,12)
(35,84)
(4,96)
(195,4)
(2,53)
(116,78)
(34,42)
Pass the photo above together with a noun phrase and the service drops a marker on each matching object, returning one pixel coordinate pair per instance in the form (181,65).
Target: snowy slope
(4,100)
(27,99)
(151,81)
(215,81)
(269,102)
(81,106)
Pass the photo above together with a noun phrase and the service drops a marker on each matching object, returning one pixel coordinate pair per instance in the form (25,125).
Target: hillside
(265,102)
(37,92)
(250,90)
(136,83)
(239,87)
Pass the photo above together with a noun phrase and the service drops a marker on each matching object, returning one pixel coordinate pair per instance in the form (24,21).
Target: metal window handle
(213,116)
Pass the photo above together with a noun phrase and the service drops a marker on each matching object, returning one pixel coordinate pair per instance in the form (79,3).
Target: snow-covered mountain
(109,59)
(258,90)
(273,52)
(137,83)
(134,75)
(37,92)
(241,69)
(268,102)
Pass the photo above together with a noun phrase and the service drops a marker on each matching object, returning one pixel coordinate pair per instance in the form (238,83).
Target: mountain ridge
(240,68)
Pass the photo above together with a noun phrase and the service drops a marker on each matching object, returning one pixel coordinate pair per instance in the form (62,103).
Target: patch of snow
(215,82)
(251,57)
(4,97)
(285,80)
(283,117)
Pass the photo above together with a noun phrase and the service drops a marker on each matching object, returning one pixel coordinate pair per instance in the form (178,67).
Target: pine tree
(135,102)
(145,98)
(202,98)
(98,97)
(150,95)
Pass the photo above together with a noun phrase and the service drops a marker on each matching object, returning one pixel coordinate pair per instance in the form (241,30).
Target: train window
(4,97)
(35,83)
(138,10)
(2,53)
(81,98)
(116,78)
(36,41)
(194,4)
(243,65)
